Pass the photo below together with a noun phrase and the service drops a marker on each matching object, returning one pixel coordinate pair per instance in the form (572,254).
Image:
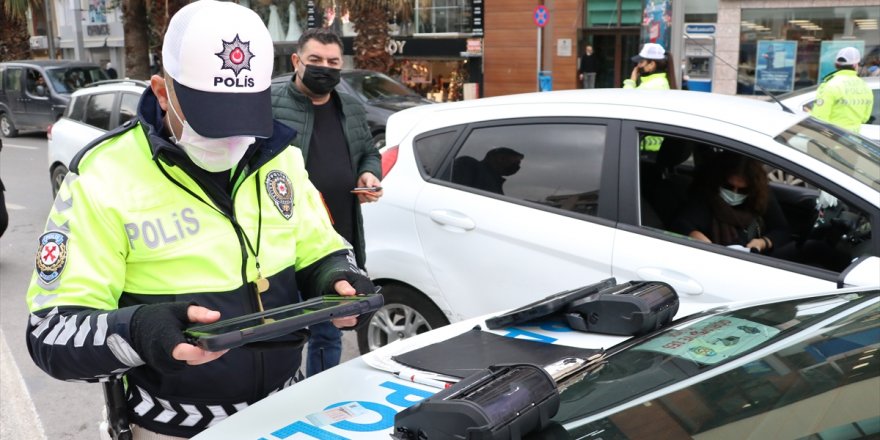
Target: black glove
(156,329)
(363,286)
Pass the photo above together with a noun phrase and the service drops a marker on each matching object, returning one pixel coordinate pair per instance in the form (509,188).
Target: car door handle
(452,218)
(679,281)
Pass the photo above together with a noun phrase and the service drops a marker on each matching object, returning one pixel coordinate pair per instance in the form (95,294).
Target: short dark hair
(321,35)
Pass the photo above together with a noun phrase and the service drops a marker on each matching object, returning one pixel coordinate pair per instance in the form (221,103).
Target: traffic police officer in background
(843,99)
(196,210)
(652,72)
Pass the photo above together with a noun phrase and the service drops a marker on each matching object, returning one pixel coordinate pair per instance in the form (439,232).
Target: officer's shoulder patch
(51,256)
(281,191)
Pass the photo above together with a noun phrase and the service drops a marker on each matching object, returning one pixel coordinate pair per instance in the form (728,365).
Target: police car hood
(368,381)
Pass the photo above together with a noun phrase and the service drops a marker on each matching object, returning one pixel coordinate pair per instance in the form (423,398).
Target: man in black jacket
(589,65)
(340,156)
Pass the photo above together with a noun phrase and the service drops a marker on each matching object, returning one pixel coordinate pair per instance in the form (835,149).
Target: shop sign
(475,46)
(395,47)
(94,30)
(417,47)
(700,29)
(311,15)
(477,17)
(39,42)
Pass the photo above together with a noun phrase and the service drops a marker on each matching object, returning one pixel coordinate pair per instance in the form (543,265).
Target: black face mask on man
(320,79)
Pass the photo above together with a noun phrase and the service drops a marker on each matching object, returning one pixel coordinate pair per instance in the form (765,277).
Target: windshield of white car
(695,346)
(841,149)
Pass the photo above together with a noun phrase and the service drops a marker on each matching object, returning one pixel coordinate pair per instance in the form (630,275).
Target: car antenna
(776,100)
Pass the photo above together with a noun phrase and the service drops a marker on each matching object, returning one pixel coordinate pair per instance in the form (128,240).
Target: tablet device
(260,326)
(547,306)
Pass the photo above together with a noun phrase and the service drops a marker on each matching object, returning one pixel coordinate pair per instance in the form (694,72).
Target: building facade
(722,46)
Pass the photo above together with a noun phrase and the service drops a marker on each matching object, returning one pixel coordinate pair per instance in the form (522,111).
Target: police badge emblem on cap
(51,256)
(281,192)
(220,56)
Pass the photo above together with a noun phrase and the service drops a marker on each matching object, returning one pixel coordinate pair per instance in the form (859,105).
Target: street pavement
(34,405)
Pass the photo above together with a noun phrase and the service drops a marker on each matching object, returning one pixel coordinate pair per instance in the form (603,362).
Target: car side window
(128,107)
(76,110)
(553,164)
(12,79)
(432,148)
(719,196)
(98,110)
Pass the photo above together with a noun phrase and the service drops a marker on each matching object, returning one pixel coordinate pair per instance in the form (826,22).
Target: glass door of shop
(614,49)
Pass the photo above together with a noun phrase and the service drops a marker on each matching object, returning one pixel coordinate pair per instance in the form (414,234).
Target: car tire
(407,312)
(57,177)
(379,140)
(7,128)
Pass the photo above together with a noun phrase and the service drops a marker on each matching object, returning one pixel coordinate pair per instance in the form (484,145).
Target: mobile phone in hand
(367,189)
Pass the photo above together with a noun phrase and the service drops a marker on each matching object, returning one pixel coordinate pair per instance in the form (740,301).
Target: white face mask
(210,154)
(732,198)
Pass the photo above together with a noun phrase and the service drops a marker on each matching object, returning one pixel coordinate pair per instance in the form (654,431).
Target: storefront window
(788,49)
(443,16)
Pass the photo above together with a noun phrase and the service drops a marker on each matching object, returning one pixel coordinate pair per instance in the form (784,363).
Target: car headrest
(674,151)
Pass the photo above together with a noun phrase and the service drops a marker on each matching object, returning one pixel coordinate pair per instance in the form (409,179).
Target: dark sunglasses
(738,190)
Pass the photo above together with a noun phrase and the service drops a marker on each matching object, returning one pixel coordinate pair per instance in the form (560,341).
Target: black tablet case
(476,350)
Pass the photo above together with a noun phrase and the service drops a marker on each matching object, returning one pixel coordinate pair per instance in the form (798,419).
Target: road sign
(541,15)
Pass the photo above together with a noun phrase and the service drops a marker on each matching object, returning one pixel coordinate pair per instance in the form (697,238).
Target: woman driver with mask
(733,205)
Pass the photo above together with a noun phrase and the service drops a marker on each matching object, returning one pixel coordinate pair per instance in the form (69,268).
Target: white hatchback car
(582,203)
(802,100)
(93,110)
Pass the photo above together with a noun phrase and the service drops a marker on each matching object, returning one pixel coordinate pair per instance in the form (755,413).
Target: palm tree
(137,42)
(14,36)
(370,19)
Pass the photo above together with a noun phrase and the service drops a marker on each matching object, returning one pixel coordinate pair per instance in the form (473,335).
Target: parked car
(34,93)
(93,110)
(380,94)
(801,368)
(582,203)
(802,100)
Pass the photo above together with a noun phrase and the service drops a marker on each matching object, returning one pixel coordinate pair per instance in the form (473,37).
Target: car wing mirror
(41,91)
(861,272)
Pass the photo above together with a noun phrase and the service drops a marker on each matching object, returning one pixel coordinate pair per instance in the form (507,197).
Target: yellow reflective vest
(844,99)
(657,81)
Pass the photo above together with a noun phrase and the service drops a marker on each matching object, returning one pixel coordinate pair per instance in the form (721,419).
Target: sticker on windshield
(337,414)
(711,341)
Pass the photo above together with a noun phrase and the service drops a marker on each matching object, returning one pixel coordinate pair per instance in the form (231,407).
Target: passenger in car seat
(733,205)
(662,186)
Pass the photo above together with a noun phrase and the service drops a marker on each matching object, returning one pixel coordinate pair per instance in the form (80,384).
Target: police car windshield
(841,149)
(689,348)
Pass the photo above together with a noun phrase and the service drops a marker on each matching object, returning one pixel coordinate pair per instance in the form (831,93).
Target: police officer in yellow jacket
(843,99)
(196,210)
(650,73)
